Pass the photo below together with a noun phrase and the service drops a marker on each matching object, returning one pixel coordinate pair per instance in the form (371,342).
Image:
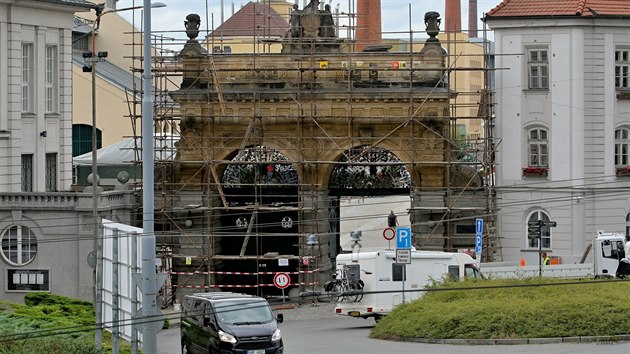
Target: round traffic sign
(389,233)
(281,280)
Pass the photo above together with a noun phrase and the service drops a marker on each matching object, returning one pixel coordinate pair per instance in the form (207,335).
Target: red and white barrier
(235,286)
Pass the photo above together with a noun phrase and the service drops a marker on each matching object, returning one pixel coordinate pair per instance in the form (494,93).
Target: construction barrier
(241,273)
(235,286)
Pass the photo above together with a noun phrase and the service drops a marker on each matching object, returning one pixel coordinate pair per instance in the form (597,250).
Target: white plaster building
(36,94)
(562,123)
(45,228)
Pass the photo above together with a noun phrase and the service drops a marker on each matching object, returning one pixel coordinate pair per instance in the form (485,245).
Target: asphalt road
(350,336)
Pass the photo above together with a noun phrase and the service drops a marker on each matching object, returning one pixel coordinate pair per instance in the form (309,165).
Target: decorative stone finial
(192,48)
(432,21)
(192,23)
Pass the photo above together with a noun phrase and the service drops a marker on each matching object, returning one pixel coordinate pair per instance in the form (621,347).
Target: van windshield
(243,312)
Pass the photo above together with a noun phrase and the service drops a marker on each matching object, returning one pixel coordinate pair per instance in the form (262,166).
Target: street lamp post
(98,240)
(149,276)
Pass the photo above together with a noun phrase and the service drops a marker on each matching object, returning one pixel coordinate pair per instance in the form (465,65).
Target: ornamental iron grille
(365,173)
(263,166)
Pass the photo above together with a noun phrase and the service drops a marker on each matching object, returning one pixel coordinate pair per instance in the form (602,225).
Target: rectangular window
(51,79)
(398,272)
(622,68)
(538,148)
(27,173)
(27,78)
(538,69)
(51,172)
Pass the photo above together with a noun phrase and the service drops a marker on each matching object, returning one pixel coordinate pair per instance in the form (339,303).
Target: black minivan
(222,323)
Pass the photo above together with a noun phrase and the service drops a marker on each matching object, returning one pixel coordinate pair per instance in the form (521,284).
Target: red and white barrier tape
(243,273)
(234,286)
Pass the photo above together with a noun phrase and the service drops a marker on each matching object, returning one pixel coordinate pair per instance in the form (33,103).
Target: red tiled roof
(253,19)
(581,8)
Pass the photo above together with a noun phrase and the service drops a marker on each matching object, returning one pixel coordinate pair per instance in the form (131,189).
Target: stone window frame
(538,68)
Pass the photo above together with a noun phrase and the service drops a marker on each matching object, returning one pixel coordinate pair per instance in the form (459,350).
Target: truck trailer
(372,284)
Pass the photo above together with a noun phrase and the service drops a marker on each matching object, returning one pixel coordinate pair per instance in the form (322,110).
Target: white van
(371,284)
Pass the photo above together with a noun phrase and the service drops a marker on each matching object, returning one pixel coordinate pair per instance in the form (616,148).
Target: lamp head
(355,236)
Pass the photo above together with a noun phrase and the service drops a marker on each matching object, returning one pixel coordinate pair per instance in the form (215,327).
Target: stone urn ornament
(192,23)
(432,22)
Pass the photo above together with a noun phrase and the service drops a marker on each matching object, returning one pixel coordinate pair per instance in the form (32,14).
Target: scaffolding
(256,147)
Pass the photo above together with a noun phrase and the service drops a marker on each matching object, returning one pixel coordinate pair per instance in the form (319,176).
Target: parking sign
(478,234)
(403,238)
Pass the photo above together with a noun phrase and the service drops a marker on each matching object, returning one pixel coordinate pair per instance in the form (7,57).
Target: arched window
(538,148)
(19,245)
(622,147)
(545,234)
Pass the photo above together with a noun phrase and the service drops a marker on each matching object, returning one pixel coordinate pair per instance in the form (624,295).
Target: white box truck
(371,284)
(608,252)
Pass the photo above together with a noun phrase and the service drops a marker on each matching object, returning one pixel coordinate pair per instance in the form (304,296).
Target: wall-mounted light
(43,134)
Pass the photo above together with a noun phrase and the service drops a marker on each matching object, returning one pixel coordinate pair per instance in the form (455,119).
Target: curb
(283,307)
(520,341)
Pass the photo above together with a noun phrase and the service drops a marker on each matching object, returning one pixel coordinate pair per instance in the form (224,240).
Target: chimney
(368,24)
(222,12)
(472,19)
(453,16)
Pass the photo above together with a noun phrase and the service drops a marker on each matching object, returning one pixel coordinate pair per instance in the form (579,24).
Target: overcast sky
(395,14)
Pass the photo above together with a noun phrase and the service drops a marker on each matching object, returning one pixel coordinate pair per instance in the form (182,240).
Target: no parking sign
(389,233)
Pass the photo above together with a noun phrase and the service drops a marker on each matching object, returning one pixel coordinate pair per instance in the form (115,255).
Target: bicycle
(347,288)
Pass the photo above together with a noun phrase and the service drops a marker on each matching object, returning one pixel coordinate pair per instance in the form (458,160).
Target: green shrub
(531,308)
(51,324)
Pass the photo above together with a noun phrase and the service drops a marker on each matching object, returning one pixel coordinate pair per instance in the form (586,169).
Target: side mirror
(280,318)
(207,322)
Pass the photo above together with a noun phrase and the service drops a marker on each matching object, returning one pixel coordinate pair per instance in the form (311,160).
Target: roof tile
(254,19)
(583,8)
(79,3)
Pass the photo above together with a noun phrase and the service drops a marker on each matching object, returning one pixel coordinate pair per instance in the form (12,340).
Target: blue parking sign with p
(478,226)
(478,234)
(403,238)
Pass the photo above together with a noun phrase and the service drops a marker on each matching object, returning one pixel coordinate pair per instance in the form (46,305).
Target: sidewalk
(172,315)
